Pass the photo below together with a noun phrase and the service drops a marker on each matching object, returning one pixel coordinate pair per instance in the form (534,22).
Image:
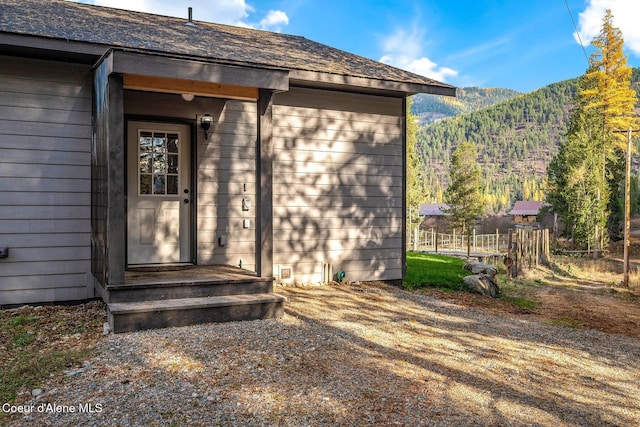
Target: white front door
(158,193)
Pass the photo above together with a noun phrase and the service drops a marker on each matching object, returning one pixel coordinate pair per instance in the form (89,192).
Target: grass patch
(29,370)
(520,302)
(21,320)
(22,339)
(567,323)
(432,270)
(39,342)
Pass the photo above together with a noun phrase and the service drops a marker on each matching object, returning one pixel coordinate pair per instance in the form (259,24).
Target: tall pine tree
(577,188)
(608,93)
(584,177)
(463,194)
(415,170)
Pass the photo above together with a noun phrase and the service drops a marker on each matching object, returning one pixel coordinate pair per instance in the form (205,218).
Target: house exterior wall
(338,184)
(226,176)
(45,170)
(225,170)
(525,219)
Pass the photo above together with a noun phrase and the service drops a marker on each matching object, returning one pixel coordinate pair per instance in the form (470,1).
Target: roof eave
(50,48)
(86,52)
(319,79)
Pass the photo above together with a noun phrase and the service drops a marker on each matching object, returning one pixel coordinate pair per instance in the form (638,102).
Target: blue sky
(521,45)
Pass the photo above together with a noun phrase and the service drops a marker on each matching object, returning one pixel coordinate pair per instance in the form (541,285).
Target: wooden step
(135,316)
(188,288)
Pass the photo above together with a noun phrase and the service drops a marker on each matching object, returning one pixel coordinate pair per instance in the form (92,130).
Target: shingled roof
(524,207)
(75,22)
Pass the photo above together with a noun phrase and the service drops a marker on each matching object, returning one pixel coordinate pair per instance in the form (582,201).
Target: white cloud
(625,16)
(404,50)
(274,19)
(233,12)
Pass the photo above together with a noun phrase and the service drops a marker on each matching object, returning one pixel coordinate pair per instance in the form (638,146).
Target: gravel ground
(352,356)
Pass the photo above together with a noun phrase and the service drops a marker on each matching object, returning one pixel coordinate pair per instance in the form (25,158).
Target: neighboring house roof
(433,209)
(526,208)
(75,22)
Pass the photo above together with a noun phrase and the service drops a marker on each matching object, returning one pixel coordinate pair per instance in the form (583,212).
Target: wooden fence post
(454,239)
(509,255)
(518,257)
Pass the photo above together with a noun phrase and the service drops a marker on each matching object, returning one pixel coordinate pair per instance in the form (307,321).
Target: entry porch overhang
(119,70)
(171,74)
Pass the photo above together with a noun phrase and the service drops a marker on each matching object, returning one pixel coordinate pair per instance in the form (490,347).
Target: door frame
(193,256)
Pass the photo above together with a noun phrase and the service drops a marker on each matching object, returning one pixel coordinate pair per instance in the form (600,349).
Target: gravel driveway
(354,355)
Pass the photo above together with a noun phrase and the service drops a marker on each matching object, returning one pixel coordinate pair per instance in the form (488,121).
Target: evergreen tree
(415,169)
(577,189)
(463,194)
(609,94)
(609,88)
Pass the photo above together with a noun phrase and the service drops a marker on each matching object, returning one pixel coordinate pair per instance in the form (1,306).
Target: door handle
(186,201)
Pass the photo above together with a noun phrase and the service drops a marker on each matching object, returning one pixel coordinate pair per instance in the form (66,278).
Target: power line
(575,27)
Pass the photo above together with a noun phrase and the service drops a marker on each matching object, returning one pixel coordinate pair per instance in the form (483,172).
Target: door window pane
(172,184)
(145,141)
(145,163)
(172,143)
(158,160)
(159,164)
(159,142)
(172,163)
(145,184)
(159,184)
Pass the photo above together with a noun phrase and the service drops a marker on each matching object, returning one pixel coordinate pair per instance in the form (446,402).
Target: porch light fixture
(205,123)
(187,97)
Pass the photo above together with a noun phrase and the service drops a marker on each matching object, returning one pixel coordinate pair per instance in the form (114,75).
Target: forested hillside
(430,108)
(516,140)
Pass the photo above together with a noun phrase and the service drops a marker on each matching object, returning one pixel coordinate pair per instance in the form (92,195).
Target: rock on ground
(482,284)
(480,267)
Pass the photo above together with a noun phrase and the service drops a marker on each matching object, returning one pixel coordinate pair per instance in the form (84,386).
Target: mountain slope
(430,108)
(516,140)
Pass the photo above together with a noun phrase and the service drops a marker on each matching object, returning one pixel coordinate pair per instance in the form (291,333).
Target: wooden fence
(521,248)
(432,241)
(527,248)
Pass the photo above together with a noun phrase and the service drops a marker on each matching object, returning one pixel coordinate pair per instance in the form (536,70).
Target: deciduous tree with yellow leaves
(585,176)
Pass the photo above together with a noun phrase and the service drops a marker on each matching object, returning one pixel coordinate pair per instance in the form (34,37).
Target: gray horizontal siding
(382,268)
(36,226)
(36,142)
(44,198)
(33,170)
(338,184)
(43,240)
(39,292)
(33,184)
(45,212)
(42,115)
(45,268)
(348,191)
(40,282)
(341,179)
(48,157)
(227,174)
(45,138)
(57,102)
(317,159)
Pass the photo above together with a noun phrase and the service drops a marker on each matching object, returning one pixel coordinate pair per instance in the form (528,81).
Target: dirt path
(568,300)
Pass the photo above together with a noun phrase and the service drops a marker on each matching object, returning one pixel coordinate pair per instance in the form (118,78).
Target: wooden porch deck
(185,274)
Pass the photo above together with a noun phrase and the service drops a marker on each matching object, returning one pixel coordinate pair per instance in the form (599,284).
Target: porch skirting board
(134,316)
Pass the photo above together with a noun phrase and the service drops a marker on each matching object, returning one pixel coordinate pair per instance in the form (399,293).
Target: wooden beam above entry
(198,88)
